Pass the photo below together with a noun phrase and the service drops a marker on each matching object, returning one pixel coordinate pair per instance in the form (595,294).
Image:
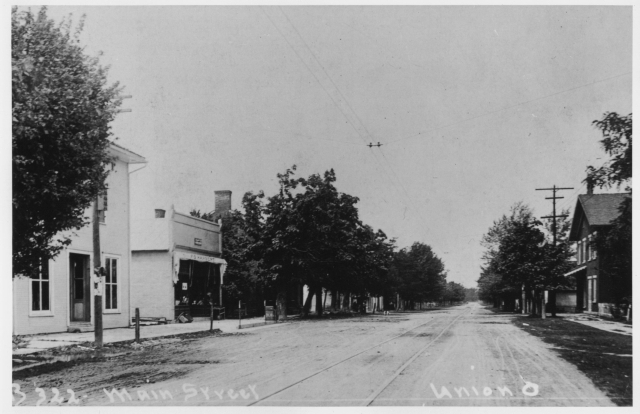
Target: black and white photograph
(320,205)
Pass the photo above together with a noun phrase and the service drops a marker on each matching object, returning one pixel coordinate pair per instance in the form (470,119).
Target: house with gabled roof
(61,296)
(593,213)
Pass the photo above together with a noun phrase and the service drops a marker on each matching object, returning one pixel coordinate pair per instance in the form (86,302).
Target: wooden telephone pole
(97,275)
(554,230)
(97,280)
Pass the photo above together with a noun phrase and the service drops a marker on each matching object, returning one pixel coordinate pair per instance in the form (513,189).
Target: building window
(588,249)
(579,252)
(584,250)
(40,289)
(593,248)
(111,284)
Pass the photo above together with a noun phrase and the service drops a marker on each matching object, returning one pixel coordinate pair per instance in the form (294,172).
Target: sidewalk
(37,343)
(599,323)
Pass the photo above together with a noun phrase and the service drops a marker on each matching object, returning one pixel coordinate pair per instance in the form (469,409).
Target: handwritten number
(43,396)
(16,390)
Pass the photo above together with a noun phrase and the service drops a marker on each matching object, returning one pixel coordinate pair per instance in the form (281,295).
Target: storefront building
(61,297)
(176,265)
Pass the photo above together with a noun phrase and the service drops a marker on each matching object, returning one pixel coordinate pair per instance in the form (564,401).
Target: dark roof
(598,209)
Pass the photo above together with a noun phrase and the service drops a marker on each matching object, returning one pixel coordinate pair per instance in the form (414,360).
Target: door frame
(88,291)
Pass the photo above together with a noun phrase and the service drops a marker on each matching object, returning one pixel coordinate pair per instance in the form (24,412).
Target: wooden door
(79,287)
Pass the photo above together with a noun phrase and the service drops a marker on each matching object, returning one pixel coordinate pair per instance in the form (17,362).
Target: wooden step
(80,327)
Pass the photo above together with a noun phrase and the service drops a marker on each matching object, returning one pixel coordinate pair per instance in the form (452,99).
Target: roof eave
(126,156)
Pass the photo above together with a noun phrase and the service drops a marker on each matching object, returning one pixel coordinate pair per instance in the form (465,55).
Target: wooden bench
(150,320)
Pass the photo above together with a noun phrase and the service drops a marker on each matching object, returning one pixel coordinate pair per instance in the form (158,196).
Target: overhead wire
(346,102)
(354,113)
(508,107)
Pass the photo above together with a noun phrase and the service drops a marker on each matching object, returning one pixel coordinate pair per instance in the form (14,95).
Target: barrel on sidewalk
(271,313)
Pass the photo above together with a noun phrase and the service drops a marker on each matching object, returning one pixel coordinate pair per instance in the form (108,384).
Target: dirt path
(401,359)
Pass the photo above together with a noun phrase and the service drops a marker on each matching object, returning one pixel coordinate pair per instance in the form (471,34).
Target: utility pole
(554,230)
(98,270)
(97,274)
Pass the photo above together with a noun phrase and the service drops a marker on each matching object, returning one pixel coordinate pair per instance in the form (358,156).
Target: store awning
(576,270)
(177,256)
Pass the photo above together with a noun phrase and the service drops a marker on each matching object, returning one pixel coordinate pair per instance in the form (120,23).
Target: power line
(509,107)
(308,68)
(335,102)
(554,216)
(571,199)
(344,99)
(404,189)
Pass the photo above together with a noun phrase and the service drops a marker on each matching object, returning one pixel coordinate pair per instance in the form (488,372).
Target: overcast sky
(476,107)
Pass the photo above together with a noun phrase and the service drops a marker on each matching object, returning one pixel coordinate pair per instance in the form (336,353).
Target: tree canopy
(61,110)
(421,274)
(519,253)
(309,233)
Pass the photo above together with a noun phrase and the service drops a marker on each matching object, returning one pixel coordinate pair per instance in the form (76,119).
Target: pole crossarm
(554,216)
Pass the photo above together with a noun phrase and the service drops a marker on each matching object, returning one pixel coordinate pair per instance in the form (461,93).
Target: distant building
(177,265)
(593,213)
(60,298)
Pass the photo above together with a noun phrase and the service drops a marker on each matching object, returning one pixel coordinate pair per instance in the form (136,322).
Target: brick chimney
(223,203)
(589,188)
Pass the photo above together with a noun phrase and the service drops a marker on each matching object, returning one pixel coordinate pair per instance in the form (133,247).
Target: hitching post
(138,325)
(211,325)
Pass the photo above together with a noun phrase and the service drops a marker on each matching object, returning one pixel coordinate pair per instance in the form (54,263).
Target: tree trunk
(361,305)
(345,301)
(324,302)
(334,300)
(319,301)
(543,311)
(282,304)
(307,304)
(552,302)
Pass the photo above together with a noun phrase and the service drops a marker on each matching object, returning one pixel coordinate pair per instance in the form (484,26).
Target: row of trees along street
(519,257)
(519,254)
(310,234)
(306,234)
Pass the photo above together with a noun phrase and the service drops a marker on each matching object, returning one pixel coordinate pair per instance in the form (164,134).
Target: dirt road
(458,356)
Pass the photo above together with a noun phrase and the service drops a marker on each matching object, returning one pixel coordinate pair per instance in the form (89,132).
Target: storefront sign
(177,256)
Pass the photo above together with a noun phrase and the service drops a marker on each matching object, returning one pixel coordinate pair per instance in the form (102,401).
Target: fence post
(239,314)
(211,324)
(138,325)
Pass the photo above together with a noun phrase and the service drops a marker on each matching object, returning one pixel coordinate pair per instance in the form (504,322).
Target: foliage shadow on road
(604,357)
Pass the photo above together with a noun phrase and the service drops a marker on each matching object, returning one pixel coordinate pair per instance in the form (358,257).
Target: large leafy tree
(519,255)
(614,245)
(454,292)
(617,132)
(493,284)
(61,110)
(246,275)
(309,235)
(420,273)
